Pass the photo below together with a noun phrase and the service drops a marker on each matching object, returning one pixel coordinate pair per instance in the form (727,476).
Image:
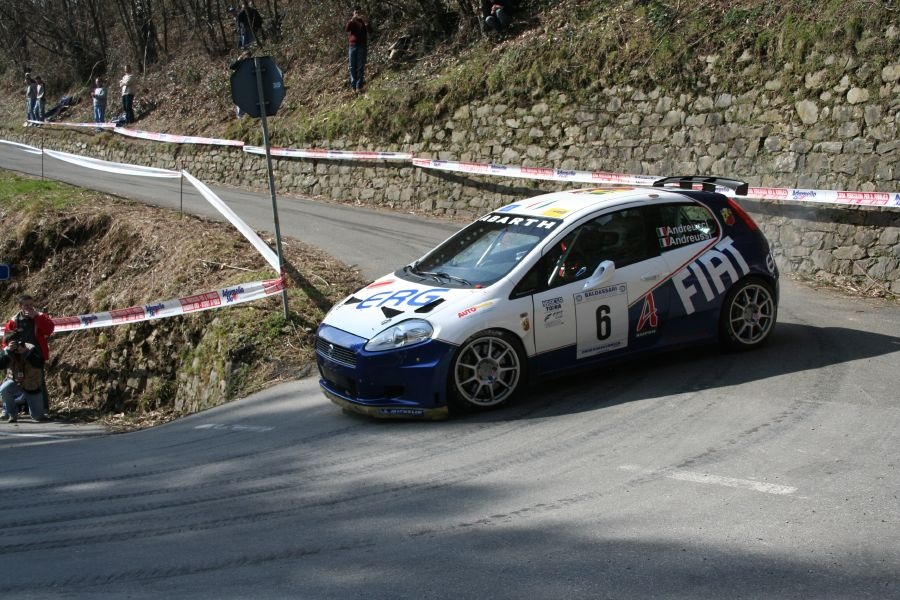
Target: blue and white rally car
(554,283)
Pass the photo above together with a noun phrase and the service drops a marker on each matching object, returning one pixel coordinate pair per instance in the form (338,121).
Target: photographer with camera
(24,363)
(358,30)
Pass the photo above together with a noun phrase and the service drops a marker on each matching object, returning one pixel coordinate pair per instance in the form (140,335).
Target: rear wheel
(487,370)
(748,314)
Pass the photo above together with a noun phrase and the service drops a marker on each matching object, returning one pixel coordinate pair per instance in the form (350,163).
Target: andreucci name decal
(681,235)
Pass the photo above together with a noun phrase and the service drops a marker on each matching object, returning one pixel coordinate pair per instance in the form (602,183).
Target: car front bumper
(407,383)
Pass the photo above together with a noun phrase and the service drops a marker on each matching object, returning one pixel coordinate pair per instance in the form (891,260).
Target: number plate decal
(602,320)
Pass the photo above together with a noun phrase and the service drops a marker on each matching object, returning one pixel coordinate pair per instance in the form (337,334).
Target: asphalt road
(694,475)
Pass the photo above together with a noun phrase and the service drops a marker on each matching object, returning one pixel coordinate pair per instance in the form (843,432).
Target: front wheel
(487,370)
(748,314)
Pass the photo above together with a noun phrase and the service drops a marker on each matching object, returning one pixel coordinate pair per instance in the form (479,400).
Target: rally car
(540,287)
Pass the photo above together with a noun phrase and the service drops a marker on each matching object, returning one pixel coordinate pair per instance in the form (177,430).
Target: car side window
(624,237)
(683,224)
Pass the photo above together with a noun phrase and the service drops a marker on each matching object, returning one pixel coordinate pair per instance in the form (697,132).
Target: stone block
(857,95)
(808,111)
(849,253)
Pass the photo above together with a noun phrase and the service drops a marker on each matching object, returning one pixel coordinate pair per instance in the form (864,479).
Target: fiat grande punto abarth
(550,284)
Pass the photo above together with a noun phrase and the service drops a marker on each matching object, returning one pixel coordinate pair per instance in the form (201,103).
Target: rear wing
(707,184)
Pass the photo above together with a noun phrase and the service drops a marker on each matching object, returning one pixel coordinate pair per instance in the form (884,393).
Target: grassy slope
(80,252)
(571,46)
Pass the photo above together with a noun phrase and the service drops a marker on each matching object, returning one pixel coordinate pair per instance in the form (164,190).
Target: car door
(582,315)
(702,266)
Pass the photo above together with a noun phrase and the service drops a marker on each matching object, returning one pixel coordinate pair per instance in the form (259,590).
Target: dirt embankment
(80,252)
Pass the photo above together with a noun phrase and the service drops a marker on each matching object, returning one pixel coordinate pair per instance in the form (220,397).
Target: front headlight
(402,334)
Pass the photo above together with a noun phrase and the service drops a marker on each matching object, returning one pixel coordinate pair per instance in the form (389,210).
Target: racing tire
(487,371)
(748,314)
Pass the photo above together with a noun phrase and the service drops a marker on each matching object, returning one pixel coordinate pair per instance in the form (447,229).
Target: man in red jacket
(34,327)
(358,31)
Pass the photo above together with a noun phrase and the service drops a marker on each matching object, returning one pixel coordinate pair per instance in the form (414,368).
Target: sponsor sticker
(402,412)
(556,212)
(553,312)
(648,317)
(510,219)
(232,294)
(154,309)
(728,217)
(474,309)
(803,194)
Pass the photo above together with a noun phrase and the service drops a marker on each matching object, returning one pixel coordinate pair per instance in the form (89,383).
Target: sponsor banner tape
(25,147)
(329,154)
(176,139)
(815,196)
(112,167)
(853,198)
(246,230)
(597,177)
(827,196)
(210,196)
(72,124)
(236,294)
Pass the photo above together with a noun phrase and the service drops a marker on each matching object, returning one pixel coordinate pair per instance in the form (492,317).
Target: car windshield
(483,252)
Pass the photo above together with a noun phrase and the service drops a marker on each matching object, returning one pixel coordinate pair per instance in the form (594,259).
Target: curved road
(770,475)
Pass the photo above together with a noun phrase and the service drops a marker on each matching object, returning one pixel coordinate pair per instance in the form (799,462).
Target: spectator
(98,94)
(30,98)
(496,14)
(127,94)
(358,30)
(39,100)
(33,327)
(24,364)
(244,26)
(256,22)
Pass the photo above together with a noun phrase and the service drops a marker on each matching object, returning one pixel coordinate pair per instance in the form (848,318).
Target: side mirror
(602,274)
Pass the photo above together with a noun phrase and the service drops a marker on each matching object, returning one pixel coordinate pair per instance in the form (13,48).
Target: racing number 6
(604,323)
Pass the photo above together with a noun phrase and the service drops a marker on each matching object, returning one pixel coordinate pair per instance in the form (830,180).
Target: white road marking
(234,427)
(706,478)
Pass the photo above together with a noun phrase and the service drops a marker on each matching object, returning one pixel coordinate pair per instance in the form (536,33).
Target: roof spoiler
(708,184)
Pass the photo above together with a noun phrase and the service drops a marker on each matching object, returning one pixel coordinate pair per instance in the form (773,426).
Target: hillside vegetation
(81,252)
(576,47)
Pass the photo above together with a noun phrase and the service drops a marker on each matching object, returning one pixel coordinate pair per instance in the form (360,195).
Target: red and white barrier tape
(72,124)
(816,196)
(176,139)
(266,252)
(23,147)
(229,296)
(330,154)
(210,196)
(855,198)
(112,167)
(596,177)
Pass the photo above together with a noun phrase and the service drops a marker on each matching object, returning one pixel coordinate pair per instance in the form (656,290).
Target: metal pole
(265,128)
(42,156)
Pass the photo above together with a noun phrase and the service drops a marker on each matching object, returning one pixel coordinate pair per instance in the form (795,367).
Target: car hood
(390,300)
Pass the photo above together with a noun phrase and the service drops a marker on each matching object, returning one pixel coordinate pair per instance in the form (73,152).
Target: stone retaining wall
(834,128)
